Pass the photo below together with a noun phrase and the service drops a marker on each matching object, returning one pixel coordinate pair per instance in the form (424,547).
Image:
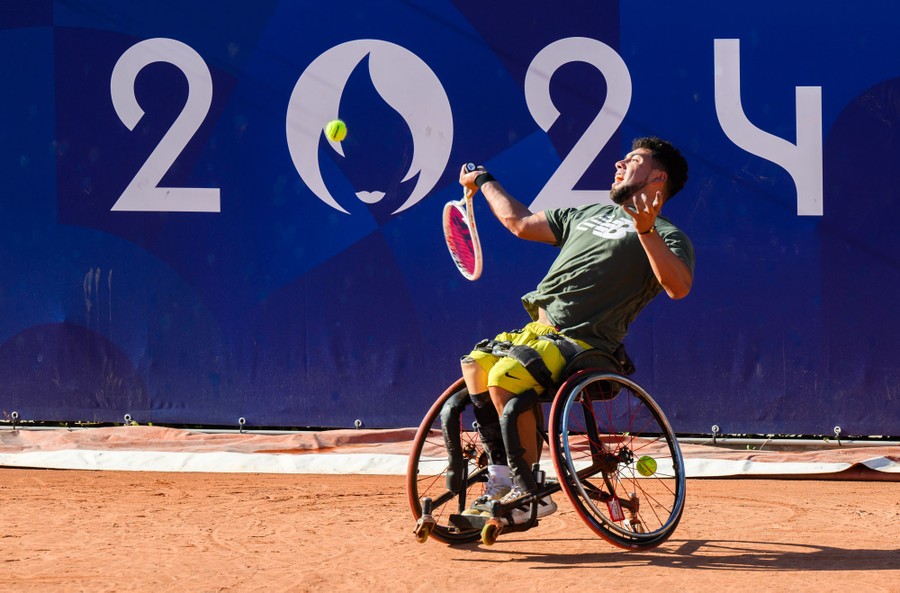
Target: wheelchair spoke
(427,472)
(605,426)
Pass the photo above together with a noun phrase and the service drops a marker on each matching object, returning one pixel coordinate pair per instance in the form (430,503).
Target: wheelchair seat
(618,362)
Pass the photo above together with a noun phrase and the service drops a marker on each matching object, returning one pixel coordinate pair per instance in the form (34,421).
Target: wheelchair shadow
(719,555)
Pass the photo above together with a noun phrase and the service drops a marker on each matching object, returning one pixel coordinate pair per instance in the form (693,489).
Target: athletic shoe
(493,490)
(521,514)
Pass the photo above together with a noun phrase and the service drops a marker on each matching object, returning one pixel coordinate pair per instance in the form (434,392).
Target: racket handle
(467,193)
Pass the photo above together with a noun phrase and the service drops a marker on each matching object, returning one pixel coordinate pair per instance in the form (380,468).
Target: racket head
(461,236)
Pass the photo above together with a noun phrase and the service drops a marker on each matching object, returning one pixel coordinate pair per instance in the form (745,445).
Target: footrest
(468,521)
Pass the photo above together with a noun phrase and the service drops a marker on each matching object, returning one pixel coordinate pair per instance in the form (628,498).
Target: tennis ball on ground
(336,130)
(646,466)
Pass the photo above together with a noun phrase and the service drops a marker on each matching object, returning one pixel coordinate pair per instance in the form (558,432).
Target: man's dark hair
(670,158)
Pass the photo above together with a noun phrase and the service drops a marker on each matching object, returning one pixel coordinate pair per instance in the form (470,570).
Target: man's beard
(624,193)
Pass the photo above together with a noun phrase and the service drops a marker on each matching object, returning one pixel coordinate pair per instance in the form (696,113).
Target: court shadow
(721,555)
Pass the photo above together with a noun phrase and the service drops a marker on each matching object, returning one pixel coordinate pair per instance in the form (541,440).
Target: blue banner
(181,243)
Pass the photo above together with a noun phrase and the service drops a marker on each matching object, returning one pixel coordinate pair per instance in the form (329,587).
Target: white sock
(500,474)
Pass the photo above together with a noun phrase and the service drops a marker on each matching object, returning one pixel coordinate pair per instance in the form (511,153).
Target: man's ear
(660,177)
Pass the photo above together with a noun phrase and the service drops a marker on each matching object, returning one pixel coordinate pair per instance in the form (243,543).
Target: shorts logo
(607,226)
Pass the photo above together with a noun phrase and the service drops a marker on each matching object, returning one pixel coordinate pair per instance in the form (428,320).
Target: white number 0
(143,193)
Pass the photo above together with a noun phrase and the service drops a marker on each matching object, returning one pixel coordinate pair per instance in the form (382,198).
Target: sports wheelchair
(614,454)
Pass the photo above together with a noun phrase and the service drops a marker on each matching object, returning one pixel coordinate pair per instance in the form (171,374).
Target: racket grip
(471,167)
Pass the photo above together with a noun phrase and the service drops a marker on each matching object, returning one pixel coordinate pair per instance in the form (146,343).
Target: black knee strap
(481,400)
(488,425)
(450,427)
(515,452)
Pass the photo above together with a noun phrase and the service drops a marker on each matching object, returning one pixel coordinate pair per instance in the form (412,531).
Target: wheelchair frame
(614,453)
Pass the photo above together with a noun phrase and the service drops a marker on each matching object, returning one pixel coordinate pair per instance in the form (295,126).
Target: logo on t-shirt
(606,225)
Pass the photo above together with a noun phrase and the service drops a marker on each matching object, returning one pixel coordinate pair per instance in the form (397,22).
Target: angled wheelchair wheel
(617,459)
(428,469)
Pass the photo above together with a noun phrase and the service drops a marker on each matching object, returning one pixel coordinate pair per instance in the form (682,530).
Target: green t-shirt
(602,277)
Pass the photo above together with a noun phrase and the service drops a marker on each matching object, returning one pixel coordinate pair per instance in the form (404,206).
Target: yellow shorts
(508,373)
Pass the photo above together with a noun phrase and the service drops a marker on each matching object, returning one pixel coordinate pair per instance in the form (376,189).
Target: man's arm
(672,273)
(511,213)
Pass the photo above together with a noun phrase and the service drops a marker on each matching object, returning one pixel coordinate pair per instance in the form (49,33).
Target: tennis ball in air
(646,466)
(336,130)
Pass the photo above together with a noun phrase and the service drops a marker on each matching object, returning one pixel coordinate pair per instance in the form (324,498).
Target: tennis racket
(462,235)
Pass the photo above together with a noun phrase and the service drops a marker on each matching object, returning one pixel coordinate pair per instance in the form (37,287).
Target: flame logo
(403,81)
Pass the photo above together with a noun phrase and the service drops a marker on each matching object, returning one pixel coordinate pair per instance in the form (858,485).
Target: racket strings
(459,242)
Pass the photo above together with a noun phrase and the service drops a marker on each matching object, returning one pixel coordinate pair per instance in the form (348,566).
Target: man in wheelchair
(613,260)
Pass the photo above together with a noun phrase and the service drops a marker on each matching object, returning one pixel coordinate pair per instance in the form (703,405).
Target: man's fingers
(646,205)
(638,210)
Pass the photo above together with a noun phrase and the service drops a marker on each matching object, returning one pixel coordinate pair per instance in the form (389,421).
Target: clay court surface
(77,530)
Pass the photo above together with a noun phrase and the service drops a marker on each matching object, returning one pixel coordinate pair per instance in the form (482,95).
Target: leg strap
(531,359)
(488,424)
(515,452)
(450,426)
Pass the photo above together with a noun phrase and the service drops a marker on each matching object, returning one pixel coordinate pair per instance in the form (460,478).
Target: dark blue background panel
(312,286)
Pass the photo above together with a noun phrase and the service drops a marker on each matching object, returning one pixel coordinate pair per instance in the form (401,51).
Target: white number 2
(559,191)
(143,193)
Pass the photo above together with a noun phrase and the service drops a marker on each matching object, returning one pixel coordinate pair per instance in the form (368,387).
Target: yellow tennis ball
(646,466)
(336,130)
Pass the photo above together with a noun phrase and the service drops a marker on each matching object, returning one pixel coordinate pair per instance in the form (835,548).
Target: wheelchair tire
(427,470)
(617,459)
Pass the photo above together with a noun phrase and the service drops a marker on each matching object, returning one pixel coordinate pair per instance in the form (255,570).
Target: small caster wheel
(422,533)
(426,522)
(489,532)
